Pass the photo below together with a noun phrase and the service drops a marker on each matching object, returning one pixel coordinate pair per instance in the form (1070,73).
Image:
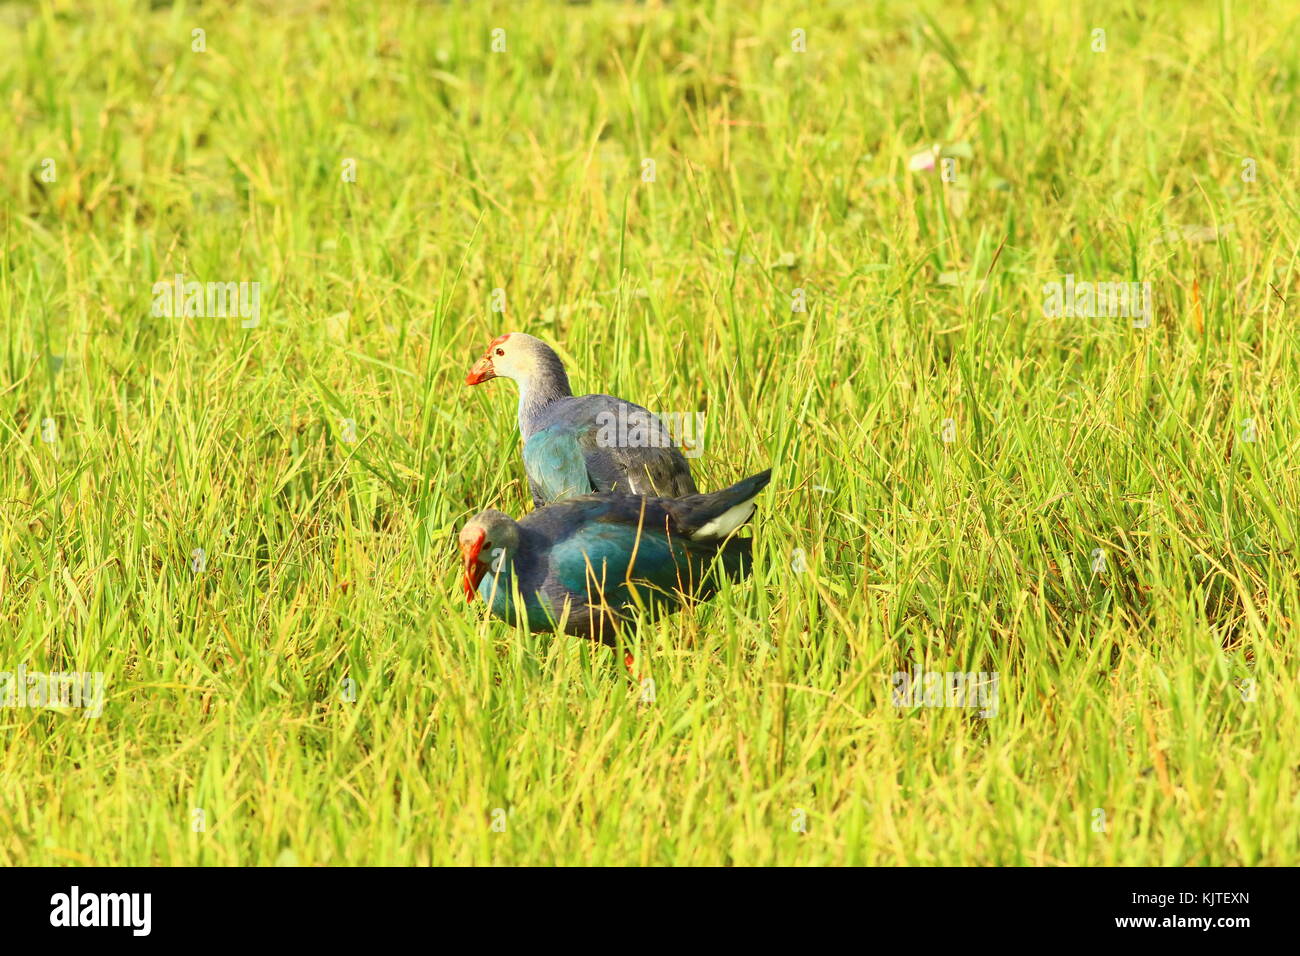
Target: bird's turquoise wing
(555,465)
(596,560)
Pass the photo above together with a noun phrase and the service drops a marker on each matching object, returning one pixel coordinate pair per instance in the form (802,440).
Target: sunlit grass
(321,690)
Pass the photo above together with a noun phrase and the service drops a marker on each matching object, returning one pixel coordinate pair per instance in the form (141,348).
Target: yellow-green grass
(1148,709)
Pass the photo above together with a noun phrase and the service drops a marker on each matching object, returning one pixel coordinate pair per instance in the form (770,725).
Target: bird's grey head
(518,356)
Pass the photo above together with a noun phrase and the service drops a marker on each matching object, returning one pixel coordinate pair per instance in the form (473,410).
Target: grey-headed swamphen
(587,563)
(576,445)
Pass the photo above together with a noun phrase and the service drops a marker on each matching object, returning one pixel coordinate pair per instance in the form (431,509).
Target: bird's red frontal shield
(474,569)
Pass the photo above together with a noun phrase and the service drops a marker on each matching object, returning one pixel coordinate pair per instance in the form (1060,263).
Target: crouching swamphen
(567,451)
(598,557)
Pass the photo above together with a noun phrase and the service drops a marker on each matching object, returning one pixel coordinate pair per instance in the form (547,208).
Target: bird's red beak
(484,369)
(481,372)
(474,569)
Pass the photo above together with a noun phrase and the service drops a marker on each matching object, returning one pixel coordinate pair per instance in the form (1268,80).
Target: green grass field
(1101,514)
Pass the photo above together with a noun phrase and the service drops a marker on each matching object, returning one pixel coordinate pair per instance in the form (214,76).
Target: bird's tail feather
(713,516)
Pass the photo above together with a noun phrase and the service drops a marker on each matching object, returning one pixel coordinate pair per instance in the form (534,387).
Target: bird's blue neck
(495,590)
(498,592)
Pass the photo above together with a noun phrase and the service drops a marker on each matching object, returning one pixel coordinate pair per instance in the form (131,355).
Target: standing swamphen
(565,454)
(598,557)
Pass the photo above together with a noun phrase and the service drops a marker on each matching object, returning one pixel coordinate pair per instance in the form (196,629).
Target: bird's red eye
(501,351)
